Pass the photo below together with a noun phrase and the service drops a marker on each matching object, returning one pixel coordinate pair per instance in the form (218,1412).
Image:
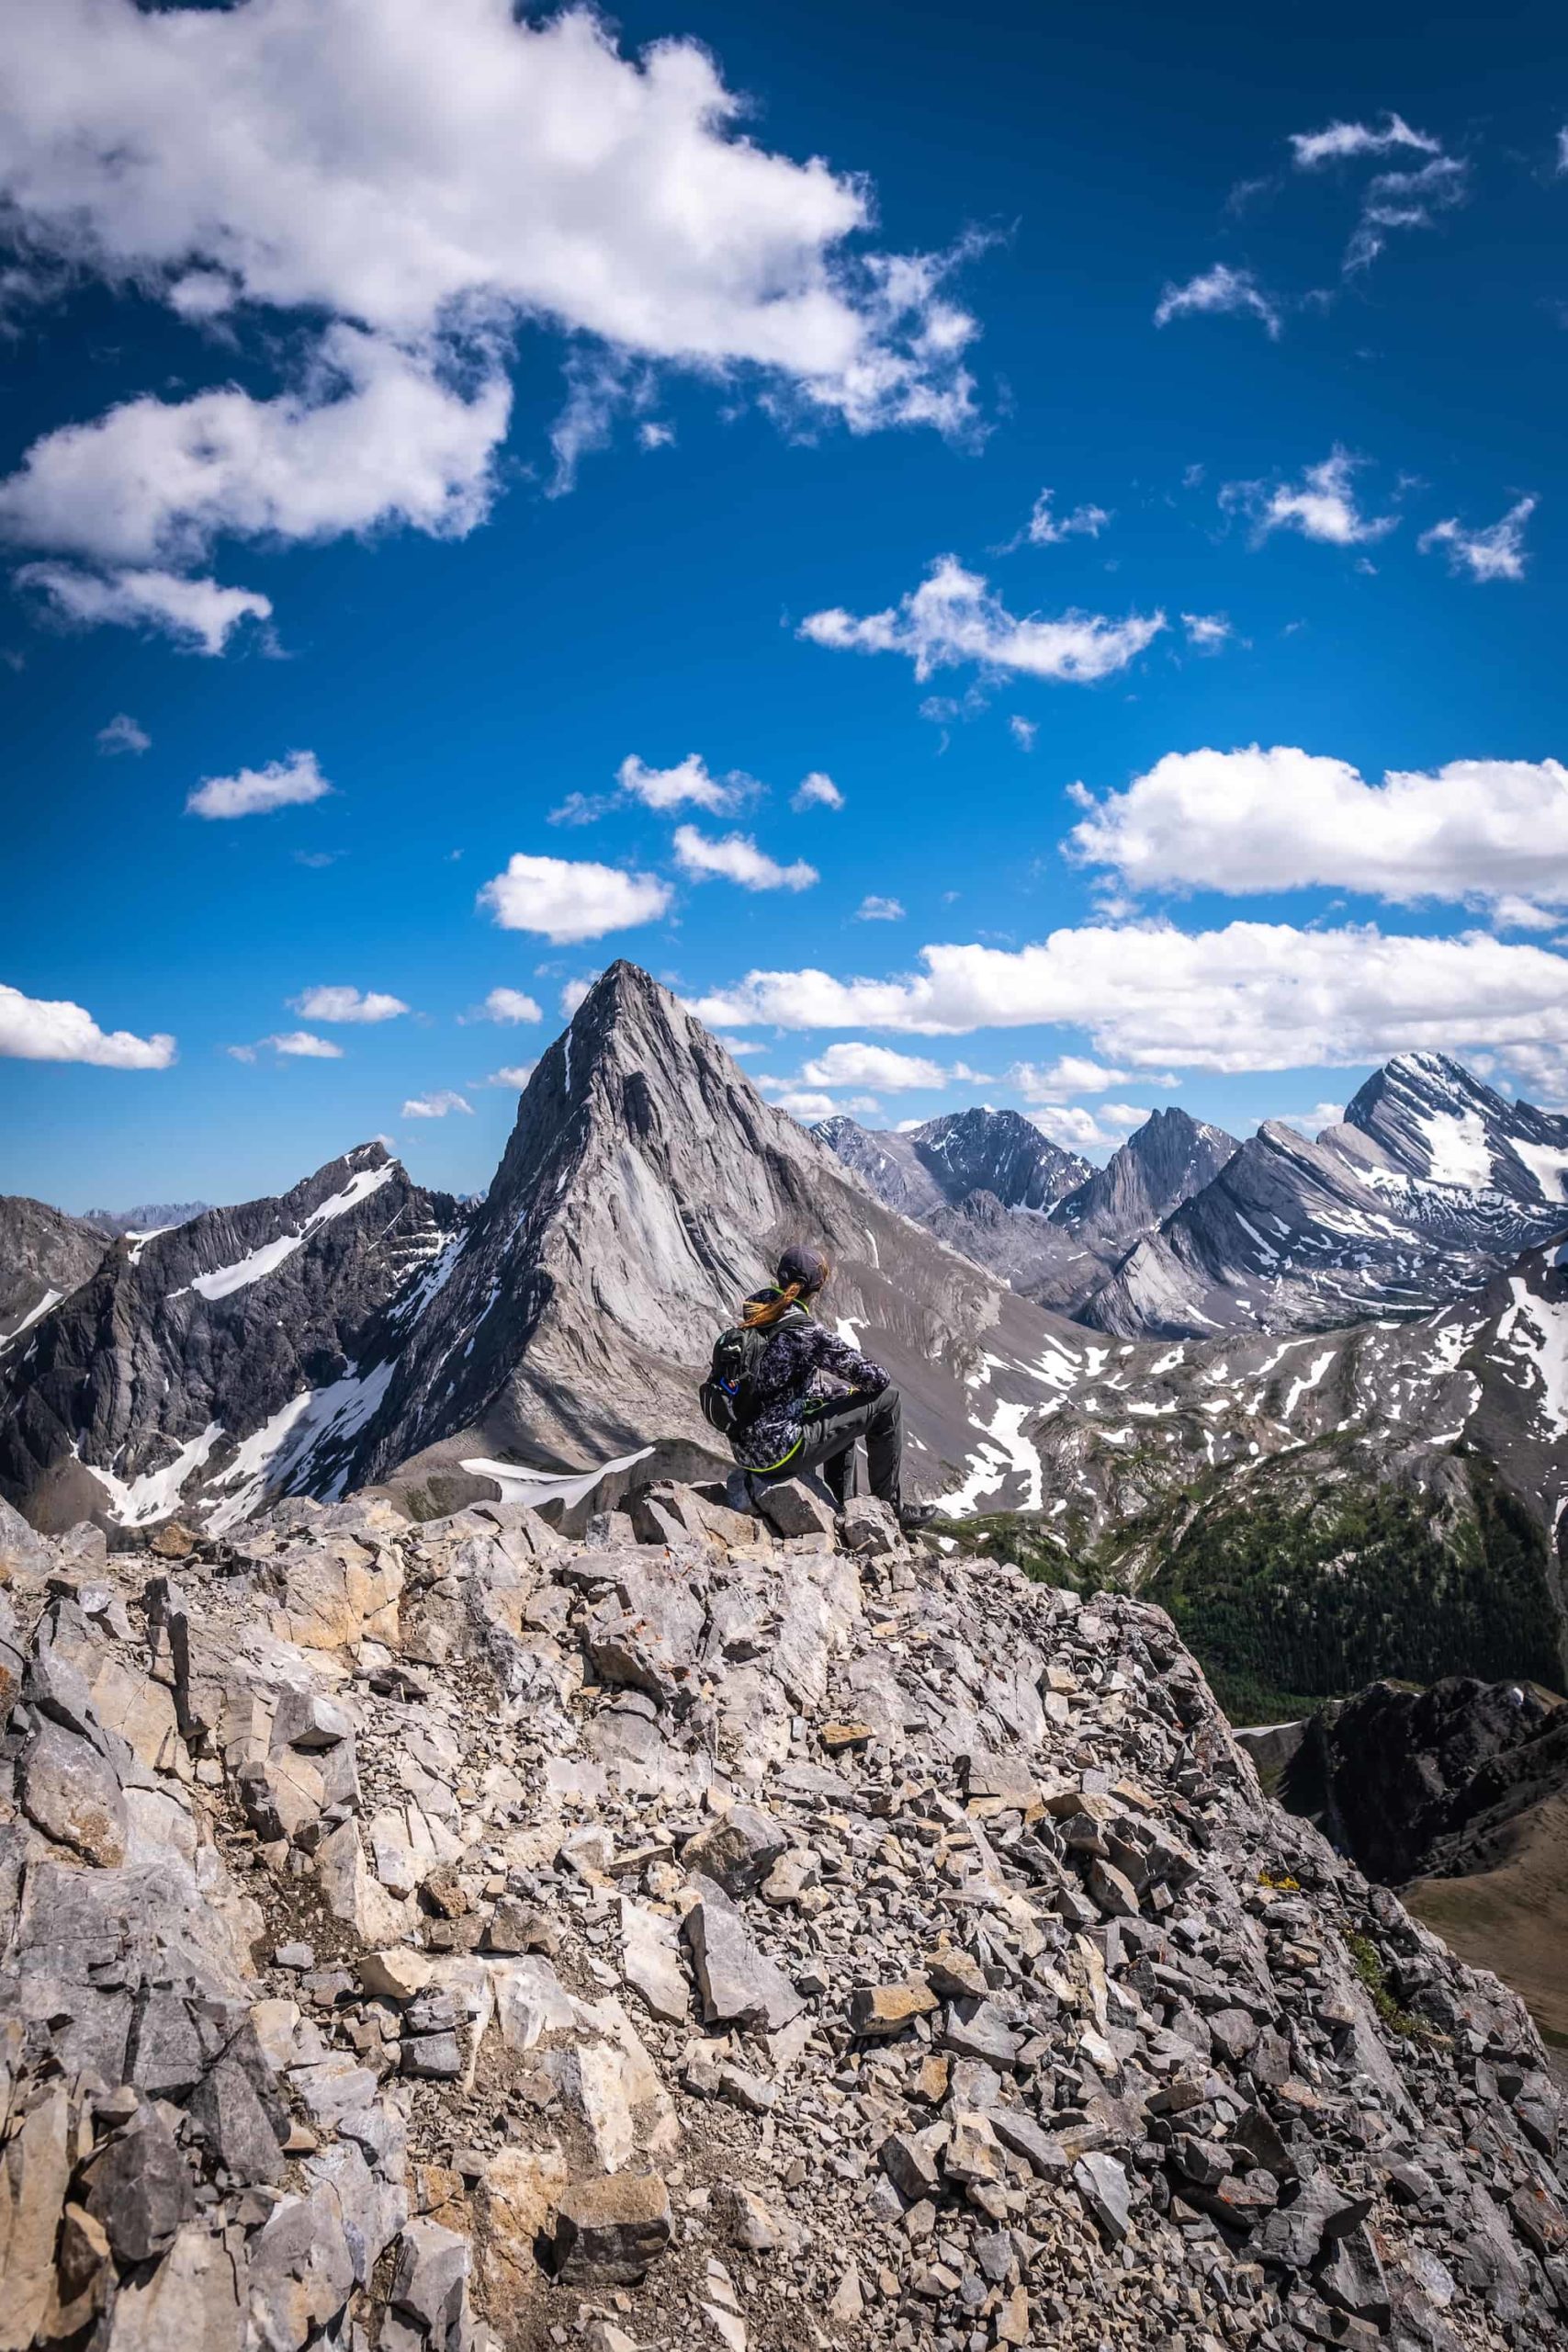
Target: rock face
(1459,1796)
(192,1360)
(1430,1185)
(1042,2026)
(44,1256)
(1052,1228)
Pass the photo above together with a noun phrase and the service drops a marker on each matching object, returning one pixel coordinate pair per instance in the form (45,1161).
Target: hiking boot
(913,1517)
(738,1494)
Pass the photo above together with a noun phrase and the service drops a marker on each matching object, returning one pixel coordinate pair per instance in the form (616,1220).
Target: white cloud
(1072,1074)
(736,858)
(877,910)
(347,1004)
(1220,289)
(301,1044)
(655,435)
(375,437)
(1340,141)
(1250,996)
(1321,505)
(1562,151)
(464,169)
(516,1075)
(574,991)
(876,1068)
(1044,529)
(1495,553)
(1024,731)
(565,899)
(123,734)
(282,783)
(1076,1129)
(1391,200)
(579,809)
(1313,1122)
(1540,1072)
(38,1029)
(198,615)
(807,1104)
(1206,632)
(687,781)
(435,1107)
(510,1005)
(1405,200)
(1284,819)
(953,617)
(816,791)
(1511,913)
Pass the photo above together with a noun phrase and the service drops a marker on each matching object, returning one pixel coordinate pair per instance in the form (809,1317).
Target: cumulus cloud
(435,1107)
(371,161)
(1024,731)
(199,615)
(1321,505)
(736,858)
(1206,632)
(1248,996)
(1495,553)
(251,792)
(1076,1129)
(1219,290)
(1284,819)
(508,1005)
(347,1004)
(41,1029)
(876,1068)
(1071,1074)
(877,910)
(1313,1122)
(301,1044)
(516,1075)
(807,1103)
(123,734)
(573,992)
(565,899)
(952,618)
(374,437)
(1044,529)
(1540,1072)
(816,791)
(688,783)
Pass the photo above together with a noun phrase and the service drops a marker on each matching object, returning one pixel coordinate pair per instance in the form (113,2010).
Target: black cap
(805,1267)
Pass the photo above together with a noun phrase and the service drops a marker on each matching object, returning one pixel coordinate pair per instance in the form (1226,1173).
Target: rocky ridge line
(704,1933)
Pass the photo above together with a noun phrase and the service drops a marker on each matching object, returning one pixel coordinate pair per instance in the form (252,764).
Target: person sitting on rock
(811,1396)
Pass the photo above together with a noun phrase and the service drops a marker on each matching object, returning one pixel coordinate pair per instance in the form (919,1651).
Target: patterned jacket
(803,1367)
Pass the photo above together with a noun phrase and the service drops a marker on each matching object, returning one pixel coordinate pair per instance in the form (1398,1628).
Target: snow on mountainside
(44,1254)
(1429,1186)
(149,1381)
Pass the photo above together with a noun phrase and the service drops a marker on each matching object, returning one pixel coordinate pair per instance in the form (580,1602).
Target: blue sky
(289,500)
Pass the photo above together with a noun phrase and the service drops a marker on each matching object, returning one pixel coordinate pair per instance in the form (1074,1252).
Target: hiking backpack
(725,1394)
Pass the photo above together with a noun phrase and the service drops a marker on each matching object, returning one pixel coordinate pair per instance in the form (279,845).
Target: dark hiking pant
(829,1445)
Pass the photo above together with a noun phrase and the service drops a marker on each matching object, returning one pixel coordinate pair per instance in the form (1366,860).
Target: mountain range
(1288,1494)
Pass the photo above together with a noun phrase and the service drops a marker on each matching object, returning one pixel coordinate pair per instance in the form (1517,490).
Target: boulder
(608,2232)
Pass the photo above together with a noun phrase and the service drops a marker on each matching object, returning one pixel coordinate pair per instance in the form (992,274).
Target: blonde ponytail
(758,1314)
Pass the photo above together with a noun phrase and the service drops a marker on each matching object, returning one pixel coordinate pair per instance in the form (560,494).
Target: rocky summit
(707,1933)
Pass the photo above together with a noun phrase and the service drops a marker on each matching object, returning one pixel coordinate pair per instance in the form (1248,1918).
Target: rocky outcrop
(1000,1152)
(44,1256)
(1171,1156)
(1459,1796)
(191,1359)
(908,1958)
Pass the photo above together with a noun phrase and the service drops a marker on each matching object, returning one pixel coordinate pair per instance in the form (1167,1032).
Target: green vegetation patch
(1367,1961)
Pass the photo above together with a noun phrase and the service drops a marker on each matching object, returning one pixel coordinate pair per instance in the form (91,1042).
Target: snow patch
(225,1280)
(1456,1148)
(518,1483)
(1547,1163)
(34,1313)
(134,1502)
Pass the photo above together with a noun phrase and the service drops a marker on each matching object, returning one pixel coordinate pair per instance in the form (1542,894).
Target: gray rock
(791,1507)
(1104,2188)
(140,2190)
(739,1985)
(430,2283)
(1350,2277)
(979,2029)
(242,2134)
(1318,2211)
(72,1794)
(737,1848)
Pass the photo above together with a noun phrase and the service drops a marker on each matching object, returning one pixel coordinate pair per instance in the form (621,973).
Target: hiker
(771,1403)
